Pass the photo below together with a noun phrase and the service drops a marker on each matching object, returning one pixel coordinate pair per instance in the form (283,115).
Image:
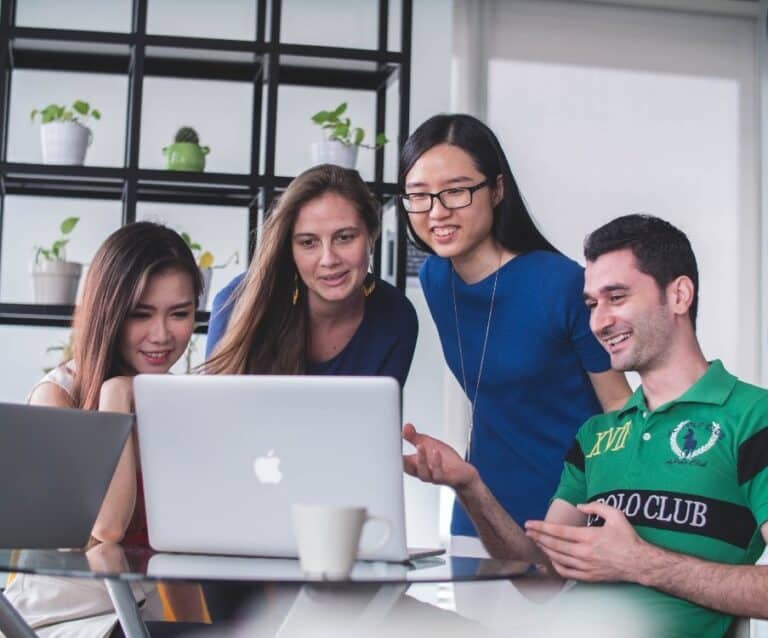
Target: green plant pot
(185,156)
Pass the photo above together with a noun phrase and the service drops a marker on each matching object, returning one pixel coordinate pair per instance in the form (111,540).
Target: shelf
(98,182)
(62,181)
(217,189)
(336,78)
(61,316)
(93,182)
(202,58)
(264,63)
(63,50)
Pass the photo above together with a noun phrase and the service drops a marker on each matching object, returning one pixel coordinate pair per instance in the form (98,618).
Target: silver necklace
(473,400)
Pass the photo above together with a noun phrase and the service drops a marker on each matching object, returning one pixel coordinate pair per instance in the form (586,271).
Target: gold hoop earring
(295,296)
(369,285)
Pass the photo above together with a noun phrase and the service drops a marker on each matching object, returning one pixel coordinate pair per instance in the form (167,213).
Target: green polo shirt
(691,476)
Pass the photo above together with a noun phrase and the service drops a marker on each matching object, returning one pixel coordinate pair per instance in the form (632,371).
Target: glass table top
(133,563)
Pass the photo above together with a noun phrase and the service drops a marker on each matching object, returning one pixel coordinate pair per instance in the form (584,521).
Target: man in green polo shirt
(668,495)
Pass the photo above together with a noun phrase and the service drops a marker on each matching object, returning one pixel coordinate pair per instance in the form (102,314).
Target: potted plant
(185,154)
(54,280)
(205,261)
(343,139)
(64,132)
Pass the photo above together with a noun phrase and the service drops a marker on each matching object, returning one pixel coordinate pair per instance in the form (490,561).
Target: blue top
(534,389)
(382,345)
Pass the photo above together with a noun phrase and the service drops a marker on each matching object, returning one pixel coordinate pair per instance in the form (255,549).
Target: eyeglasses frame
(470,189)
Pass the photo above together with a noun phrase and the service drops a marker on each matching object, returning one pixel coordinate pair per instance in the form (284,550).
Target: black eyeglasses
(456,197)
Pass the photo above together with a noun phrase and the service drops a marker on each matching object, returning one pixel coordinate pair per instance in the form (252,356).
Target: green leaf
(320,117)
(81,107)
(57,246)
(340,132)
(359,134)
(195,246)
(68,225)
(381,140)
(33,113)
(52,112)
(96,114)
(186,238)
(340,109)
(45,253)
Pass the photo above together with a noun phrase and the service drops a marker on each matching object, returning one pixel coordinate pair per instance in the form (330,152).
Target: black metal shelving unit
(265,63)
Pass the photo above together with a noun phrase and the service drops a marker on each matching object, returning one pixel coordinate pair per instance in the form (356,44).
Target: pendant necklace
(473,399)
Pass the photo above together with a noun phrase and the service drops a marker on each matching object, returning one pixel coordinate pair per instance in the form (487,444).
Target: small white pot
(65,142)
(333,152)
(202,301)
(55,282)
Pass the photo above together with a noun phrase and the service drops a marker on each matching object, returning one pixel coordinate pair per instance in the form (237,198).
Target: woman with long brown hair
(307,304)
(136,315)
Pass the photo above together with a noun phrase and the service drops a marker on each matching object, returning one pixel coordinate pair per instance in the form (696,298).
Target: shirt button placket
(637,457)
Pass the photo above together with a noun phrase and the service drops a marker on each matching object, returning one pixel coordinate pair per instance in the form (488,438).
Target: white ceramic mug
(328,538)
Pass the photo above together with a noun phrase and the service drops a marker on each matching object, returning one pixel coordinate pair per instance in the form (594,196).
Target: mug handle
(387,533)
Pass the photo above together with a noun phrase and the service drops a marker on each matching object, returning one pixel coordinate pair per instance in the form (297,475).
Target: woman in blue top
(509,311)
(307,304)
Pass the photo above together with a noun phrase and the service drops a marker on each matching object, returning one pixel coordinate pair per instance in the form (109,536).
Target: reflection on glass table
(130,563)
(371,598)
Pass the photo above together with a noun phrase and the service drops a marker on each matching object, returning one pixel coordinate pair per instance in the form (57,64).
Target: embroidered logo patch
(610,440)
(689,440)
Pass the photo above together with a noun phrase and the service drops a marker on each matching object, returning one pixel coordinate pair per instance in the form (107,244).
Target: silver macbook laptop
(57,464)
(225,457)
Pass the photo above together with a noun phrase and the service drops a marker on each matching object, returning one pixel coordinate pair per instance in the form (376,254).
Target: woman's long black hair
(512,226)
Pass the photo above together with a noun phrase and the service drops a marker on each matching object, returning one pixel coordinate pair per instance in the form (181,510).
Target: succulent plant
(187,134)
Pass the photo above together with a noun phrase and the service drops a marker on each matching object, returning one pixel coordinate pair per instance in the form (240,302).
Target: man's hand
(435,461)
(613,552)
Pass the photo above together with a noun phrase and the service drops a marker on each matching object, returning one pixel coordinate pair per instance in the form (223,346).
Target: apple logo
(266,468)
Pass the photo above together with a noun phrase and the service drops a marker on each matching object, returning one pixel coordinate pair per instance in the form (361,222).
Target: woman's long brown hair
(116,279)
(267,333)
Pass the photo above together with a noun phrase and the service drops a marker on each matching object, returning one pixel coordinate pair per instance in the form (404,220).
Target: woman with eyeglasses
(510,314)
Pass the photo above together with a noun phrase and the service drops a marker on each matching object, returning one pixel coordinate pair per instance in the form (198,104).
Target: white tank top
(63,375)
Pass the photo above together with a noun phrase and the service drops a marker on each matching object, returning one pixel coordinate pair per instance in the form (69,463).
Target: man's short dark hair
(661,250)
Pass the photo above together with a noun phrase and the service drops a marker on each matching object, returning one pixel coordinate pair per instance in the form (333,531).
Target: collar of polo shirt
(714,387)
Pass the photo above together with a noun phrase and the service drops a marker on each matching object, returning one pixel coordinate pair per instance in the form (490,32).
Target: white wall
(605,111)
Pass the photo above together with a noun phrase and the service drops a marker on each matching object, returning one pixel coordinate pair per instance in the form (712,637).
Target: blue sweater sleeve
(220,312)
